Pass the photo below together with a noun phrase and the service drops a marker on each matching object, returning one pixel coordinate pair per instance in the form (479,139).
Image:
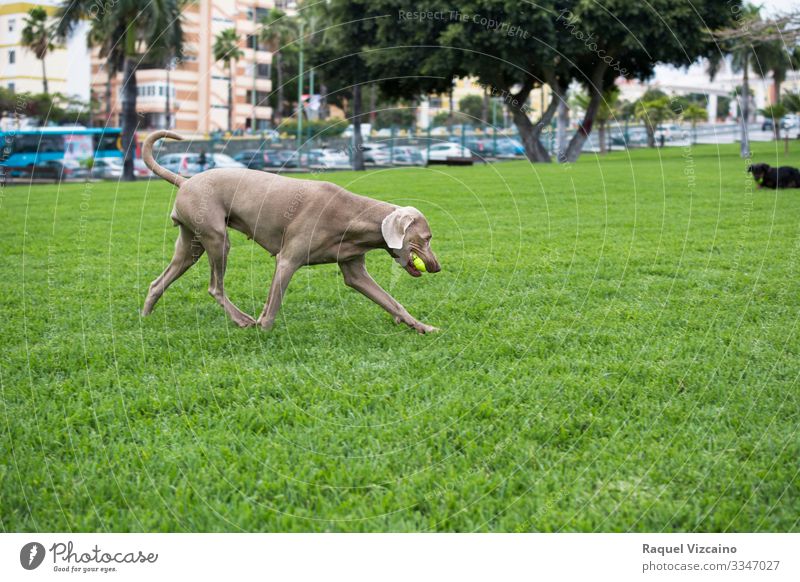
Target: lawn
(619,352)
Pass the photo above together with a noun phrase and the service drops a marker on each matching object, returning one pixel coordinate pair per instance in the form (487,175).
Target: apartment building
(196,87)
(67,66)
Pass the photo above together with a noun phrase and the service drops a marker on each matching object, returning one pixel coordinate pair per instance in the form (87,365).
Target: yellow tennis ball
(418,263)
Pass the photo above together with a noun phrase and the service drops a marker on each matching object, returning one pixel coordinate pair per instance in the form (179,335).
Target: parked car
(329,159)
(107,168)
(787,122)
(140,170)
(406,156)
(376,153)
(507,148)
(478,146)
(449,152)
(253,159)
(635,137)
(222,161)
(284,158)
(187,164)
(57,170)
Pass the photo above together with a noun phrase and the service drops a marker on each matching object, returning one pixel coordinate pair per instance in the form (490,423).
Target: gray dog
(300,222)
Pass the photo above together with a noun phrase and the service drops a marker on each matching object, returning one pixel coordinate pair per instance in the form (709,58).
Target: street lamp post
(167,109)
(300,93)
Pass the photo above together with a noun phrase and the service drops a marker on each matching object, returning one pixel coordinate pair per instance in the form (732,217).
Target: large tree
(371,43)
(623,38)
(37,36)
(130,35)
(513,48)
(339,57)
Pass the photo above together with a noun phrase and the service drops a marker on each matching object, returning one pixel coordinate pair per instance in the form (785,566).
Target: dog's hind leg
(217,246)
(187,251)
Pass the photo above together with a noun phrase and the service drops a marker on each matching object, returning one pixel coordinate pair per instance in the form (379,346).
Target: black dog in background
(768,177)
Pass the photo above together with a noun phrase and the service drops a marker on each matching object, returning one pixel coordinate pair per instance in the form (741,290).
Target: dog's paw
(263,324)
(424,328)
(244,320)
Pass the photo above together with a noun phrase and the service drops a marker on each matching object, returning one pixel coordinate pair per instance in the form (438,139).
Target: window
(12,22)
(259,13)
(12,57)
(34,142)
(262,71)
(253,43)
(11,87)
(161,90)
(106,141)
(261,98)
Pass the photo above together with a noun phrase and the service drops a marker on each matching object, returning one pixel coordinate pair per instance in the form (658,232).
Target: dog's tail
(150,162)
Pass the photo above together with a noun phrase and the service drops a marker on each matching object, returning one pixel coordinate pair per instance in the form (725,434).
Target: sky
(779,6)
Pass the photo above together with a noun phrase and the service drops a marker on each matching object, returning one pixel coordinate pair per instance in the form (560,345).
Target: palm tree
(653,109)
(694,113)
(37,36)
(129,34)
(741,54)
(277,30)
(792,102)
(226,49)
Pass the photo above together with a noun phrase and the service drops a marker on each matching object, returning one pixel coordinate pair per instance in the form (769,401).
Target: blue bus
(27,148)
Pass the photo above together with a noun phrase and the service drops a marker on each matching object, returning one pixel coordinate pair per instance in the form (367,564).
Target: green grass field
(619,351)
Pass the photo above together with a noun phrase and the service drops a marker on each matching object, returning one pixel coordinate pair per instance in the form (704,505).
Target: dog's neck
(365,229)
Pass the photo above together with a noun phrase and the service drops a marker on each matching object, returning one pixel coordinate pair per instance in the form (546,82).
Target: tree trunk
(651,135)
(601,136)
(575,146)
(485,108)
(745,108)
(596,88)
(44,76)
(130,120)
(108,94)
(358,152)
(230,98)
(323,102)
(530,133)
(451,108)
(167,111)
(373,104)
(561,128)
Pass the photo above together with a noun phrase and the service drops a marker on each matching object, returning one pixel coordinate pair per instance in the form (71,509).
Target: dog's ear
(395,225)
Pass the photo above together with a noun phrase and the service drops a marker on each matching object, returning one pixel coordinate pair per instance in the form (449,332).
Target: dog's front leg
(356,276)
(284,269)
